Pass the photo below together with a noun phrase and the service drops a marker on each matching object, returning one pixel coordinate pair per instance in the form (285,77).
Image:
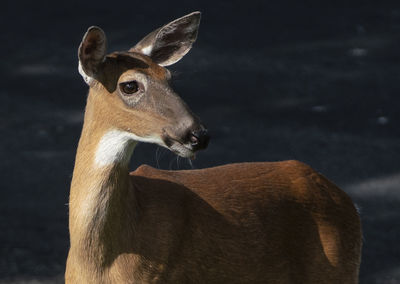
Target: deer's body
(276,222)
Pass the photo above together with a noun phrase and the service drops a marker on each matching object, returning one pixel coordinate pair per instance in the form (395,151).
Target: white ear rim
(151,40)
(88,80)
(172,61)
(147,50)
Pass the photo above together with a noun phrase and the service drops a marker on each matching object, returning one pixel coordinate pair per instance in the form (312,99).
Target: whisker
(171,163)
(160,152)
(163,151)
(190,163)
(157,157)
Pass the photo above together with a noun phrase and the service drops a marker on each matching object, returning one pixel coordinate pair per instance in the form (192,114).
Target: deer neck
(101,197)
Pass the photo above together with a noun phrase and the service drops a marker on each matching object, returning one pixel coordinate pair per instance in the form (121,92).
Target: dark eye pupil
(130,87)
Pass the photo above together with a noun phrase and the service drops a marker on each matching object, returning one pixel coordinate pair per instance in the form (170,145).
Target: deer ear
(91,53)
(171,42)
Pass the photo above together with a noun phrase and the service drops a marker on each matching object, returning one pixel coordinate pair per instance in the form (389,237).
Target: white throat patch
(116,146)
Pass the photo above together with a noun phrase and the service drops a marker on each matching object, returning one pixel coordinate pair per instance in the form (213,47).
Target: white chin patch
(116,147)
(181,150)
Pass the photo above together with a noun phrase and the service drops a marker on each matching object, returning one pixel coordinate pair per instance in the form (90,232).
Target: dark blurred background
(316,81)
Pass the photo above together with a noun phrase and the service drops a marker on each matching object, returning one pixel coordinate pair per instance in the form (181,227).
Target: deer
(255,222)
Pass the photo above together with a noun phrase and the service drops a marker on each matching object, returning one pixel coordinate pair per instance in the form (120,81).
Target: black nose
(199,139)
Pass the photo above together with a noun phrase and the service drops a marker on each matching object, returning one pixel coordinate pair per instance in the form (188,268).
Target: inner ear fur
(172,41)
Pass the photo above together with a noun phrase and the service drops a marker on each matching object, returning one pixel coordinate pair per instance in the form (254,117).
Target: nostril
(199,139)
(194,140)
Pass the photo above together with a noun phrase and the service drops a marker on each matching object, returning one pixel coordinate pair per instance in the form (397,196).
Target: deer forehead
(132,61)
(118,63)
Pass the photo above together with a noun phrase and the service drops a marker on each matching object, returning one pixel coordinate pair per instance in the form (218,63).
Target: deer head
(131,88)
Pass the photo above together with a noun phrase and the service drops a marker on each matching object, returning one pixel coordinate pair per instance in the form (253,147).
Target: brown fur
(276,222)
(117,63)
(242,223)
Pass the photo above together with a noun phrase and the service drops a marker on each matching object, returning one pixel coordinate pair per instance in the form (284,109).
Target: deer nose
(199,139)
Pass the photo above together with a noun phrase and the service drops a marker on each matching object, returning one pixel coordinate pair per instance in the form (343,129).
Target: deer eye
(129,88)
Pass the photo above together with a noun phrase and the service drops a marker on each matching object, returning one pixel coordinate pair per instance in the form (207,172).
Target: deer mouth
(179,148)
(182,150)
(189,143)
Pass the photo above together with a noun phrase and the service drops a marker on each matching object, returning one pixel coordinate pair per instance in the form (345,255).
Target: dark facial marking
(167,140)
(114,66)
